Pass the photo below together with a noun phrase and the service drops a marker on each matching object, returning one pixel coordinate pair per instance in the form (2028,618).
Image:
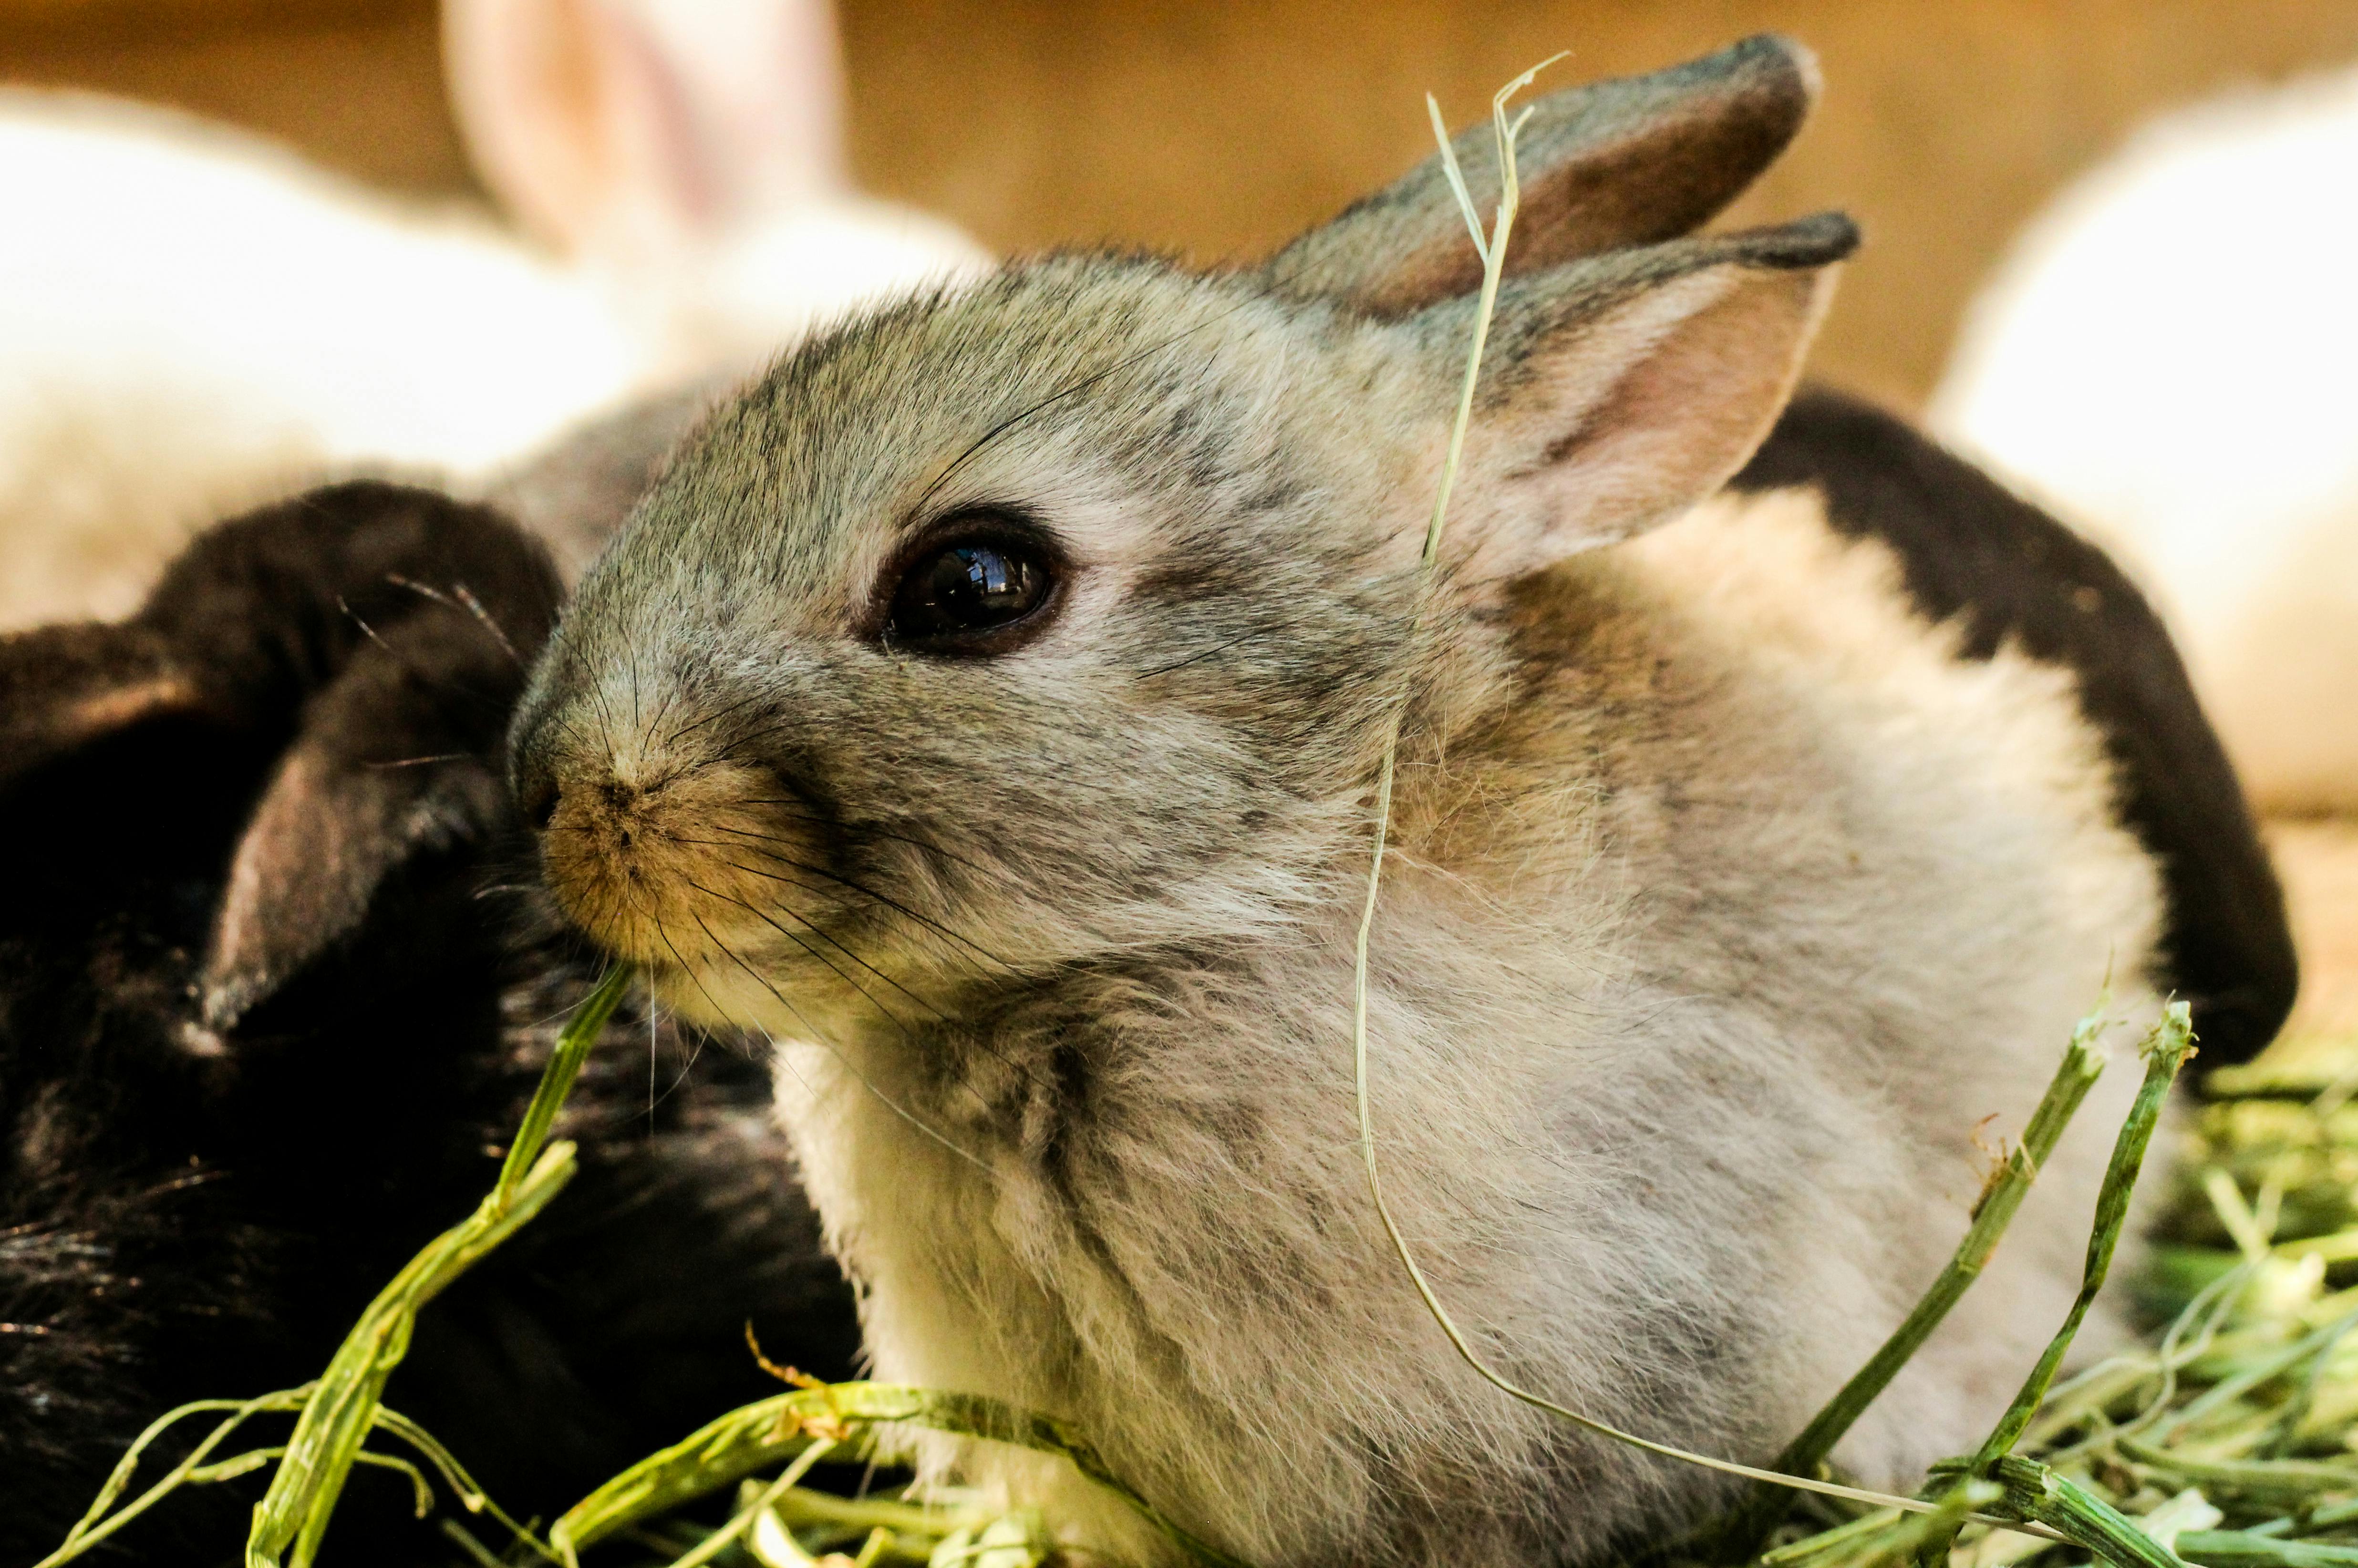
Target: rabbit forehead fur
(1134,409)
(1729,902)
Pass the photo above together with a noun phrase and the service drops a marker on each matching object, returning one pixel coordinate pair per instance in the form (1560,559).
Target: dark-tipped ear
(1631,161)
(384,632)
(394,762)
(66,687)
(1620,390)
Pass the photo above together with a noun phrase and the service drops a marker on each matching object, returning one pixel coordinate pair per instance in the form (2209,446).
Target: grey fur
(1727,900)
(575,493)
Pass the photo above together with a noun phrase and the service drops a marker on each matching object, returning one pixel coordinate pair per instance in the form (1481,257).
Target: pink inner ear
(628,129)
(526,92)
(1622,422)
(757,87)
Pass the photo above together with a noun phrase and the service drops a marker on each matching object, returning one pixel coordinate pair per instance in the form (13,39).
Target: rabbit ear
(313,698)
(1621,390)
(634,127)
(394,762)
(63,689)
(1632,161)
(375,637)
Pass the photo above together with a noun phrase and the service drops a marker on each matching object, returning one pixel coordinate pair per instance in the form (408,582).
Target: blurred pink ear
(628,130)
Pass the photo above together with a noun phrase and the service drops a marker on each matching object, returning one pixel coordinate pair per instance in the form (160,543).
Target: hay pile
(2228,1440)
(2230,1436)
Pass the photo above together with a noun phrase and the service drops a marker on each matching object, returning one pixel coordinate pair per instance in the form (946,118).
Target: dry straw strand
(1492,249)
(1493,252)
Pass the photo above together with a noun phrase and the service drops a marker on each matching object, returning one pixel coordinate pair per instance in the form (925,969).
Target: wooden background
(1217,127)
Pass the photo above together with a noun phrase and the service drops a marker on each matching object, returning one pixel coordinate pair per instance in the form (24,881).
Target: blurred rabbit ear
(1631,161)
(372,638)
(394,762)
(63,689)
(634,127)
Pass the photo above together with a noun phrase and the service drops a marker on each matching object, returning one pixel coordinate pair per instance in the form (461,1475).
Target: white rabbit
(2166,358)
(193,319)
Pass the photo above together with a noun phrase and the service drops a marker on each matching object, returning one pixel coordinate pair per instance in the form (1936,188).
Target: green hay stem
(96,1524)
(2165,1050)
(757,1435)
(341,1410)
(2242,1549)
(2034,1492)
(720,1541)
(2068,1506)
(1766,1505)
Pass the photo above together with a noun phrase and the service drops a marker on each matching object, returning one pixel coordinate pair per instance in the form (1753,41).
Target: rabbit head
(897,683)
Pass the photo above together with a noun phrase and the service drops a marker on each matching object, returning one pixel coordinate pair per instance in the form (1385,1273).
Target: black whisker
(1008,1062)
(930,924)
(854,829)
(1055,397)
(689,968)
(718,713)
(598,691)
(809,951)
(906,1033)
(1208,652)
(638,729)
(822,935)
(663,709)
(882,1098)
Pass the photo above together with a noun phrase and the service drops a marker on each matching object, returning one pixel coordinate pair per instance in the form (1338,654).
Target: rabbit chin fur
(1728,903)
(1674,1186)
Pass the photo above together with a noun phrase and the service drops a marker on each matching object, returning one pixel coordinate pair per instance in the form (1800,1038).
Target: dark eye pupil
(978,583)
(967,587)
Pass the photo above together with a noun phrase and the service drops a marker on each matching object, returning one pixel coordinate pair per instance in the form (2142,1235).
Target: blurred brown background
(1216,126)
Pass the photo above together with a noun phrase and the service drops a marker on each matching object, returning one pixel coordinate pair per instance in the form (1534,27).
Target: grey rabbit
(273,988)
(987,704)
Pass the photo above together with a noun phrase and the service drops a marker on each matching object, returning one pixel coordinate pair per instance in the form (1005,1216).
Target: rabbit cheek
(665,871)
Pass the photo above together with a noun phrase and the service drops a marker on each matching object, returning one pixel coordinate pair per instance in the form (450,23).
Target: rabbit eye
(961,590)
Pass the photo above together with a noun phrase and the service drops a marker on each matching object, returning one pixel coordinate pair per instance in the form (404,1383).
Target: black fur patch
(199,1206)
(1973,550)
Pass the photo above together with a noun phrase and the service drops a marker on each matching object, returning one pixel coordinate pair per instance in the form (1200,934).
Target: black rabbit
(266,1017)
